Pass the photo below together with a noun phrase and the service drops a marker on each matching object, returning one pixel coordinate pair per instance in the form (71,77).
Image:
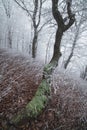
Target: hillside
(19,80)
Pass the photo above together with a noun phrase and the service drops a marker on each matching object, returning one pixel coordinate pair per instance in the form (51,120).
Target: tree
(41,98)
(62,27)
(83,74)
(35,16)
(8,8)
(74,43)
(81,19)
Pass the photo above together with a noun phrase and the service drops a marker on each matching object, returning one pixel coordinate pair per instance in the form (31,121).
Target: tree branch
(71,16)
(56,14)
(44,25)
(7,9)
(23,6)
(39,18)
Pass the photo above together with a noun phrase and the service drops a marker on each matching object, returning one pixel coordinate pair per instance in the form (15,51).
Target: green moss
(43,89)
(50,67)
(36,105)
(38,102)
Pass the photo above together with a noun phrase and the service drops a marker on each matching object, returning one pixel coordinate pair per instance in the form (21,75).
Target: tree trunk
(35,106)
(56,52)
(9,39)
(34,44)
(68,60)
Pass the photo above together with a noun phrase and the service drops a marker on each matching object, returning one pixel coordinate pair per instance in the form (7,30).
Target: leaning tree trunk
(35,106)
(56,52)
(41,98)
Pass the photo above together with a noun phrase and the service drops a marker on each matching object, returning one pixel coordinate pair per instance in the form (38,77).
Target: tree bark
(68,60)
(9,39)
(61,27)
(34,43)
(56,52)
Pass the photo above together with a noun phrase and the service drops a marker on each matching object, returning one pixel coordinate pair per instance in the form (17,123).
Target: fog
(21,33)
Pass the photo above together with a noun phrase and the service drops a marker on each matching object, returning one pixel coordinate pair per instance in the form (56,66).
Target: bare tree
(35,16)
(79,30)
(37,104)
(62,27)
(83,74)
(8,7)
(74,44)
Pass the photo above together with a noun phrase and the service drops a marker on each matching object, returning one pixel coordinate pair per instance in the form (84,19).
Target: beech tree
(41,98)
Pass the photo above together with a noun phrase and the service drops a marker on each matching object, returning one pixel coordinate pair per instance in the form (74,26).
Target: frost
(5,92)
(20,77)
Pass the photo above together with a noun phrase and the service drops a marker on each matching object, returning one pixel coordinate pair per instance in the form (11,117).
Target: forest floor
(19,80)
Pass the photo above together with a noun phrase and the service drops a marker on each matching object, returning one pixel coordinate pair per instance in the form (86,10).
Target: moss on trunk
(35,106)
